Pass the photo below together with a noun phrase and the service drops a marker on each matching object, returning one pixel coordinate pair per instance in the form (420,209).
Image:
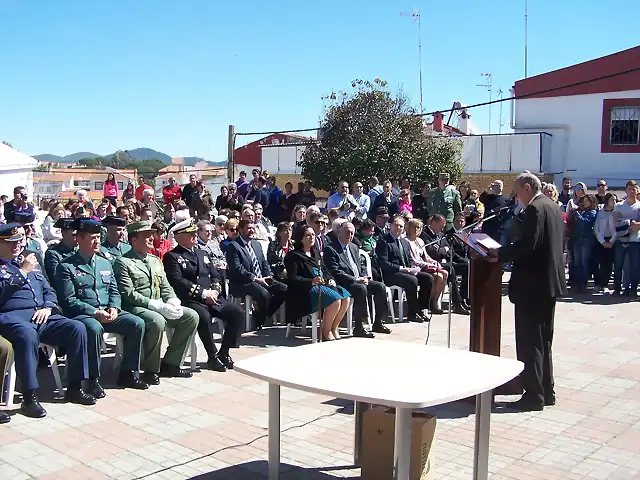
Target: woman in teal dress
(309,284)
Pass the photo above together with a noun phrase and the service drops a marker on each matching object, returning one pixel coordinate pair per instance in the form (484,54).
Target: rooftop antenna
(416,18)
(526,21)
(489,87)
(500,122)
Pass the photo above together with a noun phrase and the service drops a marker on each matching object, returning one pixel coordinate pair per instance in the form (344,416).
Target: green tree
(371,132)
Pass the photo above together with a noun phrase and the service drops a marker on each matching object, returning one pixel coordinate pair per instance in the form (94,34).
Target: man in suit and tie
(249,274)
(197,283)
(342,259)
(393,257)
(537,280)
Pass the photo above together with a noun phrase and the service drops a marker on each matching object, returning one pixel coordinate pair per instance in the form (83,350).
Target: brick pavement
(592,433)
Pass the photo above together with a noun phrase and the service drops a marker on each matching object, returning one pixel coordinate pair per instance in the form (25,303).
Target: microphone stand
(466,228)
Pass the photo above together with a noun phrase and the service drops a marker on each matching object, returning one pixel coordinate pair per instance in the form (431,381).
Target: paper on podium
(479,242)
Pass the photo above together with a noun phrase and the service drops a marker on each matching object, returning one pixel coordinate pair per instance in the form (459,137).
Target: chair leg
(314,328)
(194,354)
(371,312)
(247,313)
(350,317)
(51,353)
(11,385)
(287,332)
(117,360)
(390,305)
(401,305)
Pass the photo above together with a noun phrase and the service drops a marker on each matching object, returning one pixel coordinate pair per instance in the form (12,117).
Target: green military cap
(86,225)
(139,226)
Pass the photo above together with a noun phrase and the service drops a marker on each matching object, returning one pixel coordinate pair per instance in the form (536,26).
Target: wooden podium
(485,291)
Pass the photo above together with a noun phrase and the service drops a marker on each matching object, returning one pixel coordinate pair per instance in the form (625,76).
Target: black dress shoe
(167,370)
(436,311)
(31,407)
(550,400)
(4,418)
(77,395)
(425,318)
(460,310)
(379,327)
(525,405)
(226,360)
(151,378)
(95,389)
(362,333)
(415,318)
(131,380)
(216,365)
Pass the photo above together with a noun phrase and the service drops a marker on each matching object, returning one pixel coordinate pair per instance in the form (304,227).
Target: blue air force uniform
(86,285)
(21,295)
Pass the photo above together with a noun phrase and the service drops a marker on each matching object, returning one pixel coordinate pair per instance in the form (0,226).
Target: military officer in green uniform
(88,292)
(146,292)
(114,245)
(445,200)
(55,254)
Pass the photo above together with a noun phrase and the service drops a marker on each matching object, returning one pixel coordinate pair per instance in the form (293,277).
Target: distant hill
(73,158)
(135,154)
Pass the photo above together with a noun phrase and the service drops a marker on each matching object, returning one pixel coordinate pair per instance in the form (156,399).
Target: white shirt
(365,203)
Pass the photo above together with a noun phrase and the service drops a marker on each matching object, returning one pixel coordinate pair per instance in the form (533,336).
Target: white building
(16,169)
(591,112)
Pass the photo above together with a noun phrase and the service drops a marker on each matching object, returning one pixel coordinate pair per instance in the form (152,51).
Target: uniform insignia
(206,260)
(182,262)
(105,273)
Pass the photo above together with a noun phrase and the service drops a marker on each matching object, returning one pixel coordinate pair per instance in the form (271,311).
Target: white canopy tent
(16,169)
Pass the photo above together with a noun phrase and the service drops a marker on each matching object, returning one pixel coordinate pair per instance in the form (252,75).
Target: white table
(396,374)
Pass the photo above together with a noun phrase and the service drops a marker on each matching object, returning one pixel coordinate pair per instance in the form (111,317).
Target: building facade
(591,112)
(61,183)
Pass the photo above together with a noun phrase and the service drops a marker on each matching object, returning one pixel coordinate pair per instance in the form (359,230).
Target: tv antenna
(500,122)
(416,19)
(489,87)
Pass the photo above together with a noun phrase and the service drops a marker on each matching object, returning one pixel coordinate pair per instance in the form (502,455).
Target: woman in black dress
(307,280)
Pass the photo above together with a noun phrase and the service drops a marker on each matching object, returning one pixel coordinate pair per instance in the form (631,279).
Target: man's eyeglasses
(602,185)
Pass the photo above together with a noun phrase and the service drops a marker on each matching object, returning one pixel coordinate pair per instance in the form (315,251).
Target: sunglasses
(317,222)
(232,229)
(602,185)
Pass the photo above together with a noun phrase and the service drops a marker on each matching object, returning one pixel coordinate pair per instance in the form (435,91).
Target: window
(620,125)
(120,185)
(81,183)
(99,185)
(624,126)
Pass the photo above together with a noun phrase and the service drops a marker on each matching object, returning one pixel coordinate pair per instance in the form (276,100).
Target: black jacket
(537,253)
(239,269)
(190,273)
(390,258)
(300,273)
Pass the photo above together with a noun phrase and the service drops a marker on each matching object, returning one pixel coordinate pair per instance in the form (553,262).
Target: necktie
(254,261)
(319,243)
(402,253)
(352,263)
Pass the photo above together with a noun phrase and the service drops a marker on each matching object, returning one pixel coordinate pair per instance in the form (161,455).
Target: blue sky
(102,75)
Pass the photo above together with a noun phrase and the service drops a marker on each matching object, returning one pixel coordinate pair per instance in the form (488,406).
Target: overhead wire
(475,105)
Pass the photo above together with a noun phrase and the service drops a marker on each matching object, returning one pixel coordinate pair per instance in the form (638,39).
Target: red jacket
(171,194)
(141,189)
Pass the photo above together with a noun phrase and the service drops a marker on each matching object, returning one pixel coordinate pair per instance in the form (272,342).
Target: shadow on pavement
(259,470)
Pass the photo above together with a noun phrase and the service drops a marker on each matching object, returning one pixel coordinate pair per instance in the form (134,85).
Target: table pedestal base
(402,447)
(481,441)
(274,432)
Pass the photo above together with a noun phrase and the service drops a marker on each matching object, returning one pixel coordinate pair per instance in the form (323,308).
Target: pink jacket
(405,206)
(110,189)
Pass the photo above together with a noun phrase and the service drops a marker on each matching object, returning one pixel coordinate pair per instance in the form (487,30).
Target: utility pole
(416,18)
(526,21)
(489,87)
(500,122)
(230,153)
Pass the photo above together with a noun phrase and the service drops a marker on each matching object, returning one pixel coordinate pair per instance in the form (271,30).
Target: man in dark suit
(192,274)
(249,274)
(387,200)
(537,280)
(393,257)
(342,259)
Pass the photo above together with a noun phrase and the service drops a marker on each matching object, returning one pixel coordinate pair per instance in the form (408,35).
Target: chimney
(463,125)
(438,122)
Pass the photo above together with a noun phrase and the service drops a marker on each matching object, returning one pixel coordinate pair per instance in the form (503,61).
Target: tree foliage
(371,132)
(147,168)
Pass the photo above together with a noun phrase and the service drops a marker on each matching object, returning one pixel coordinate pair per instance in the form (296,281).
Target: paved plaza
(213,426)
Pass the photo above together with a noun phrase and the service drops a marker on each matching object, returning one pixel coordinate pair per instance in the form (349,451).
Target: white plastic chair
(401,299)
(313,319)
(389,293)
(117,359)
(194,347)
(11,377)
